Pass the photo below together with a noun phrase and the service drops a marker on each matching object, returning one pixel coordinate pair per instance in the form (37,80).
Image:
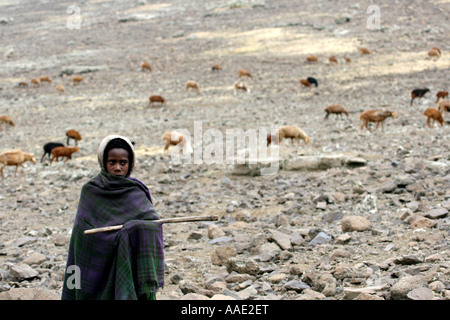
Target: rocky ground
(357,215)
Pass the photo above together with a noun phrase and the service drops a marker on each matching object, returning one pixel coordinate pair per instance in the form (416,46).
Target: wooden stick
(169,220)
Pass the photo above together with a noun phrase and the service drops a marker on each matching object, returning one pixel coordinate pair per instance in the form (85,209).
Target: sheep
(216,67)
(45,79)
(305,83)
(444,106)
(14,158)
(312,81)
(441,94)
(77,79)
(288,132)
(418,93)
(59,88)
(348,60)
(48,147)
(312,58)
(432,113)
(156,98)
(377,116)
(332,59)
(240,86)
(146,66)
(73,134)
(22,84)
(337,109)
(244,73)
(7,120)
(364,51)
(176,138)
(192,85)
(35,82)
(63,152)
(434,52)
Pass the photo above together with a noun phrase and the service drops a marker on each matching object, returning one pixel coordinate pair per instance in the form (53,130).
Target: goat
(7,120)
(444,106)
(14,158)
(364,51)
(48,147)
(332,59)
(22,84)
(240,86)
(216,67)
(305,83)
(441,94)
(244,73)
(337,109)
(434,52)
(35,82)
(77,79)
(193,85)
(377,116)
(146,66)
(288,132)
(312,58)
(312,81)
(59,88)
(175,138)
(418,93)
(45,79)
(73,134)
(432,113)
(156,98)
(63,152)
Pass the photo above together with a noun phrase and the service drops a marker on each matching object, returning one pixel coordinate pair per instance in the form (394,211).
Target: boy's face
(117,162)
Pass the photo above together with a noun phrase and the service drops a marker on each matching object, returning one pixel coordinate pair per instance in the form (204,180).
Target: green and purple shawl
(117,265)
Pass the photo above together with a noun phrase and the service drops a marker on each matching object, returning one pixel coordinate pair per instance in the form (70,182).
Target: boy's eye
(123,162)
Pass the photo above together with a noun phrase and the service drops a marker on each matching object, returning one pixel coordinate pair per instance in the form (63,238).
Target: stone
(355,223)
(36,258)
(221,255)
(215,231)
(29,294)
(436,213)
(401,288)
(420,294)
(22,272)
(296,285)
(283,240)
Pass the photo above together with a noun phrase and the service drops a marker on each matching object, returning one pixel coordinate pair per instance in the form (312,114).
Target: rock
(29,294)
(420,294)
(221,255)
(408,260)
(215,232)
(81,69)
(321,238)
(355,223)
(22,272)
(246,265)
(422,222)
(400,289)
(296,285)
(283,240)
(436,213)
(323,162)
(36,258)
(61,240)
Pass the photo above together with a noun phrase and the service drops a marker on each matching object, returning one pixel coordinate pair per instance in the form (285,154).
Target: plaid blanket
(118,265)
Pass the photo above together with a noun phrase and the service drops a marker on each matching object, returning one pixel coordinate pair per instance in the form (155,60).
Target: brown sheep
(432,113)
(22,84)
(244,73)
(312,58)
(15,158)
(332,59)
(146,66)
(35,82)
(156,98)
(444,106)
(192,85)
(348,60)
(7,120)
(175,138)
(240,86)
(337,109)
(216,67)
(73,134)
(434,53)
(77,79)
(441,95)
(60,88)
(288,132)
(377,116)
(305,83)
(45,79)
(63,152)
(364,51)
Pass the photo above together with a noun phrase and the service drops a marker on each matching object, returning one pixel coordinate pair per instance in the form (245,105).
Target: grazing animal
(377,116)
(14,158)
(434,53)
(77,79)
(60,88)
(192,85)
(441,95)
(444,106)
(332,59)
(312,81)
(146,66)
(364,51)
(48,147)
(45,79)
(73,134)
(7,120)
(418,93)
(240,86)
(216,67)
(63,152)
(305,83)
(22,84)
(35,82)
(435,115)
(312,58)
(337,109)
(156,98)
(288,132)
(244,73)
(348,60)
(174,138)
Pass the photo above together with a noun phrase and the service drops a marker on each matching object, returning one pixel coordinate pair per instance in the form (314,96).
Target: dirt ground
(182,40)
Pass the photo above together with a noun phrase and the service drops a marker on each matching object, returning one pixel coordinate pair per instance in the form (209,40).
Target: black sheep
(418,93)
(312,81)
(48,147)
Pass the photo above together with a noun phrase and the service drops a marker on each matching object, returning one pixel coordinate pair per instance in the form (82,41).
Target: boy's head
(116,156)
